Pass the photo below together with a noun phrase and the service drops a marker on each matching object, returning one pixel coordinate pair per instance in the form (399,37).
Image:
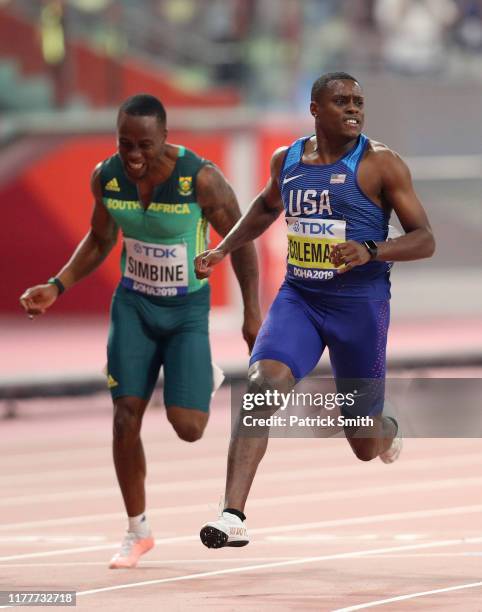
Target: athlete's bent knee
(189,432)
(271,375)
(188,424)
(366,450)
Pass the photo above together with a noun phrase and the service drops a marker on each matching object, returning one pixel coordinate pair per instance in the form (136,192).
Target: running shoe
(393,453)
(228,530)
(131,549)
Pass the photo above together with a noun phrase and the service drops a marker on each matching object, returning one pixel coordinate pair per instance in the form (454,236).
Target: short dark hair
(322,82)
(144,105)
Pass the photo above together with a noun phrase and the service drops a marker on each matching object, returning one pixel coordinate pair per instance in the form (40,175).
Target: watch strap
(371,247)
(58,283)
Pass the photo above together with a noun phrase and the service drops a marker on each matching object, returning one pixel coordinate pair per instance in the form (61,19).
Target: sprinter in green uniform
(162,197)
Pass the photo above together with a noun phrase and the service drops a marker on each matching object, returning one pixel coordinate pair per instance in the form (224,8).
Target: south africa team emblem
(185,185)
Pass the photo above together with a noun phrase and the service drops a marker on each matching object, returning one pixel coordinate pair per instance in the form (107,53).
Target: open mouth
(352,122)
(135,167)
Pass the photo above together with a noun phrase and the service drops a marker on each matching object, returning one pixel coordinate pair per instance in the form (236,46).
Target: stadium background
(235,78)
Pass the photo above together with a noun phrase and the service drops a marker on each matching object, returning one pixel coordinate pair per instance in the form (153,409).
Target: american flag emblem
(337,179)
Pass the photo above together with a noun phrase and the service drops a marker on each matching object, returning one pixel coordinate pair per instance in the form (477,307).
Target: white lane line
(63,456)
(345,493)
(307,538)
(111,516)
(202,484)
(381,602)
(315,538)
(156,468)
(54,539)
(281,475)
(180,463)
(375,518)
(426,555)
(194,484)
(83,549)
(410,536)
(159,564)
(361,520)
(162,562)
(264,566)
(88,473)
(100,447)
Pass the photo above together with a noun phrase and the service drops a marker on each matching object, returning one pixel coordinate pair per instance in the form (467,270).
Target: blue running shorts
(300,325)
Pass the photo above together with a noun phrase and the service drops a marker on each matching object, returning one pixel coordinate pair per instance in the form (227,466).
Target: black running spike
(212,537)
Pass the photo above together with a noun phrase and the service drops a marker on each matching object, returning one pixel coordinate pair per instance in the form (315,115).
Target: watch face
(371,247)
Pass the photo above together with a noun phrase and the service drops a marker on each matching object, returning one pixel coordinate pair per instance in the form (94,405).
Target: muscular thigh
(188,372)
(289,334)
(134,356)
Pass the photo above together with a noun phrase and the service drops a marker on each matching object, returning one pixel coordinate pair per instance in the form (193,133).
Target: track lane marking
(409,464)
(381,602)
(289,563)
(346,493)
(362,520)
(200,484)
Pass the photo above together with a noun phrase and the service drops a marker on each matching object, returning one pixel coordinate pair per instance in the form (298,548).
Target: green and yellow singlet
(160,242)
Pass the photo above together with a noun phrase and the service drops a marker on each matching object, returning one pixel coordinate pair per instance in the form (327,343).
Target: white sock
(139,526)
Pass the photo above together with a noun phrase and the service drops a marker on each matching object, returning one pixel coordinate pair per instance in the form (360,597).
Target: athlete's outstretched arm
(220,207)
(91,251)
(398,194)
(263,211)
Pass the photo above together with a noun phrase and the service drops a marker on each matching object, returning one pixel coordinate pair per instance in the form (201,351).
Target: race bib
(309,245)
(156,269)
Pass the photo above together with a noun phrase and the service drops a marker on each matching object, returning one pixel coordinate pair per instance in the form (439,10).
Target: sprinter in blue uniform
(337,189)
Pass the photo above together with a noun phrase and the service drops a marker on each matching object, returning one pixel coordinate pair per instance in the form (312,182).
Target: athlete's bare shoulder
(387,161)
(279,153)
(95,179)
(377,147)
(171,151)
(387,165)
(381,153)
(277,160)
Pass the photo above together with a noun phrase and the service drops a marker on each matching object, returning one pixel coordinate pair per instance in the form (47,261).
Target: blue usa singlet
(324,206)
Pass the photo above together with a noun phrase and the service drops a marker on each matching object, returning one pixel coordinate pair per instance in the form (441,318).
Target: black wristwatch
(371,247)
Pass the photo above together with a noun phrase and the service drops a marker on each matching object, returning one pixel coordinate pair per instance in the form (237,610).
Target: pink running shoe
(131,549)
(393,453)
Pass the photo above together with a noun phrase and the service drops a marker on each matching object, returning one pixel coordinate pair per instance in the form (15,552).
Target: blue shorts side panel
(356,333)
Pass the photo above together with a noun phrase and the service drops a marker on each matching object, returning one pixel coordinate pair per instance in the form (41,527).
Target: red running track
(328,532)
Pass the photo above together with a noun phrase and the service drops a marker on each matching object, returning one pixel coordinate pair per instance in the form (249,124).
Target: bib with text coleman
(325,206)
(309,246)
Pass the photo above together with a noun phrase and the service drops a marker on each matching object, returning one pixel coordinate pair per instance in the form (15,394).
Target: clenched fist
(204,262)
(38,299)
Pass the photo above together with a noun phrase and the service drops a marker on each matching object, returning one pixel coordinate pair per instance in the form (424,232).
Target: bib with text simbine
(155,269)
